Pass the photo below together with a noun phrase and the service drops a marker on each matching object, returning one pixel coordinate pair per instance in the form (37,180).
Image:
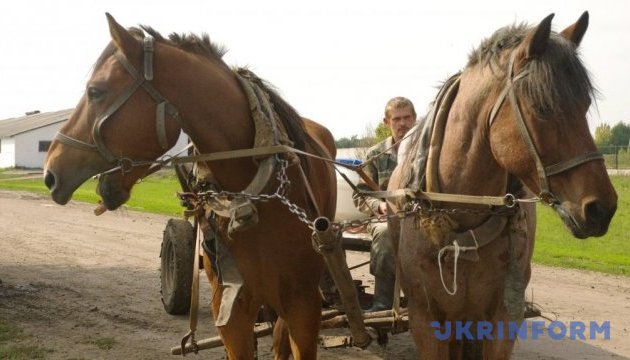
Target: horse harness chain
(280,194)
(163,108)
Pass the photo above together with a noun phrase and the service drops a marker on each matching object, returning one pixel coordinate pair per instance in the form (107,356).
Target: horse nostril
(49,180)
(596,212)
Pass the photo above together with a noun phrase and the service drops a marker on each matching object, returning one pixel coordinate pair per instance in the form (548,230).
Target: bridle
(163,108)
(544,172)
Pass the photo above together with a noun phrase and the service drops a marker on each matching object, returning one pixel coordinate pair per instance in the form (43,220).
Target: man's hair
(398,102)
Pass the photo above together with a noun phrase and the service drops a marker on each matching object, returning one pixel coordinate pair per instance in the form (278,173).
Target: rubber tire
(177,261)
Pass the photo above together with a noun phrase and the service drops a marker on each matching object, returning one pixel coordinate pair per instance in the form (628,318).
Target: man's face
(399,122)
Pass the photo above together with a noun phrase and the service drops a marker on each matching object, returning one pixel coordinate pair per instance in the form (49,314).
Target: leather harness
(163,108)
(544,172)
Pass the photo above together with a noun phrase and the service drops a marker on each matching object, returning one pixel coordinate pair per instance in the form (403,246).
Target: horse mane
(200,45)
(203,46)
(558,74)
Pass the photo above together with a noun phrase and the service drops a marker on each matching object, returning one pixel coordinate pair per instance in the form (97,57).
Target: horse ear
(576,32)
(123,39)
(537,40)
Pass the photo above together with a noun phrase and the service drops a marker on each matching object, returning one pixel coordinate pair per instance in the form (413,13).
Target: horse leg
(303,317)
(502,345)
(238,333)
(498,349)
(281,342)
(424,335)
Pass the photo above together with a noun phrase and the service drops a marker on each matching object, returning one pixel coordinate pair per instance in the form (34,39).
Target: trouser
(382,255)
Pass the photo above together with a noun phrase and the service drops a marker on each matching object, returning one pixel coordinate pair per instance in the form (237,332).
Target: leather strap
(507,200)
(163,107)
(543,172)
(62,138)
(568,164)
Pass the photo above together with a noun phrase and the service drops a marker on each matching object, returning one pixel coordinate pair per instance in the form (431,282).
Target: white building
(24,140)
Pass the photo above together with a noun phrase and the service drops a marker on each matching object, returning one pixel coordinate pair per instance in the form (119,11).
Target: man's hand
(382,208)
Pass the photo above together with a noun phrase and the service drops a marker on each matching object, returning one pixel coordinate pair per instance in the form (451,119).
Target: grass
(620,160)
(554,244)
(103,343)
(610,253)
(155,194)
(11,348)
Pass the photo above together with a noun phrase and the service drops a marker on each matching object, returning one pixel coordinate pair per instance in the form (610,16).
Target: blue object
(350,161)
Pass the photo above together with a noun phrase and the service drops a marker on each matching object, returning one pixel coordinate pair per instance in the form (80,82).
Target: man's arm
(367,204)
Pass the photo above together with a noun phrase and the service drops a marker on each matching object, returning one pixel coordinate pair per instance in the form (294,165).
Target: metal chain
(280,194)
(413,208)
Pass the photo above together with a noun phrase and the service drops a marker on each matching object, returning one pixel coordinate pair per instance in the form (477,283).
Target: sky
(336,61)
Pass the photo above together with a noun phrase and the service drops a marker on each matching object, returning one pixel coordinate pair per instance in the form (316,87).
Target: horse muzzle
(113,194)
(61,188)
(57,194)
(593,219)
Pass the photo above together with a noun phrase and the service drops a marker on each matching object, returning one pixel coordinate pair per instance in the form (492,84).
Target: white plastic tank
(345,207)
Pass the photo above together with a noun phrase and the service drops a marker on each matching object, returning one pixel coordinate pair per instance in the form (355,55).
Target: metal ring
(125,165)
(548,198)
(509,200)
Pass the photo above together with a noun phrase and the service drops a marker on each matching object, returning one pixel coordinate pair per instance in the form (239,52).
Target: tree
(345,142)
(382,132)
(603,136)
(620,134)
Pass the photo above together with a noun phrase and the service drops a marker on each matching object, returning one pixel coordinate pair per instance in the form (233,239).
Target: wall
(7,152)
(27,146)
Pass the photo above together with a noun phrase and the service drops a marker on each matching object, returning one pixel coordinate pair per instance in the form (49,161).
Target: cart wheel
(177,255)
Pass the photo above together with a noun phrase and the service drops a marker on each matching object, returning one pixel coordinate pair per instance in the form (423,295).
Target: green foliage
(603,135)
(382,132)
(620,134)
(345,142)
(354,142)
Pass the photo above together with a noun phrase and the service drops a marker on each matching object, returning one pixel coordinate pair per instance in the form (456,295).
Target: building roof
(15,126)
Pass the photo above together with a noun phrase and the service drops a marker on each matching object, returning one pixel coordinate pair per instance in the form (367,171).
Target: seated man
(400,116)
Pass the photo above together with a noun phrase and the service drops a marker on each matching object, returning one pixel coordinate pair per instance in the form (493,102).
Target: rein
(544,172)
(163,108)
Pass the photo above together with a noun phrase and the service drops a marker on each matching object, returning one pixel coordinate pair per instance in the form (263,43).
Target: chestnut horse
(519,113)
(115,123)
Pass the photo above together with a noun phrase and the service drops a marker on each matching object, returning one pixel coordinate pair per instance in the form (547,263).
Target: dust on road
(88,287)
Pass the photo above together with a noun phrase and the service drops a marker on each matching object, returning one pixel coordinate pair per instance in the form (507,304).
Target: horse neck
(217,118)
(466,164)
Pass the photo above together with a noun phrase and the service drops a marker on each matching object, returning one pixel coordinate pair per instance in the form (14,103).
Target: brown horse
(519,113)
(115,123)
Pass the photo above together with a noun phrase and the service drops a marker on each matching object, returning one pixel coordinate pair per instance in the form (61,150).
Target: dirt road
(87,287)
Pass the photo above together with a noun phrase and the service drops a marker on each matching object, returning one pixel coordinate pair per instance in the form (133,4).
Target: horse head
(537,125)
(122,123)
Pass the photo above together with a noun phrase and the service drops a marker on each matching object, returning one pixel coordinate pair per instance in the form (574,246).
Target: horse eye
(94,93)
